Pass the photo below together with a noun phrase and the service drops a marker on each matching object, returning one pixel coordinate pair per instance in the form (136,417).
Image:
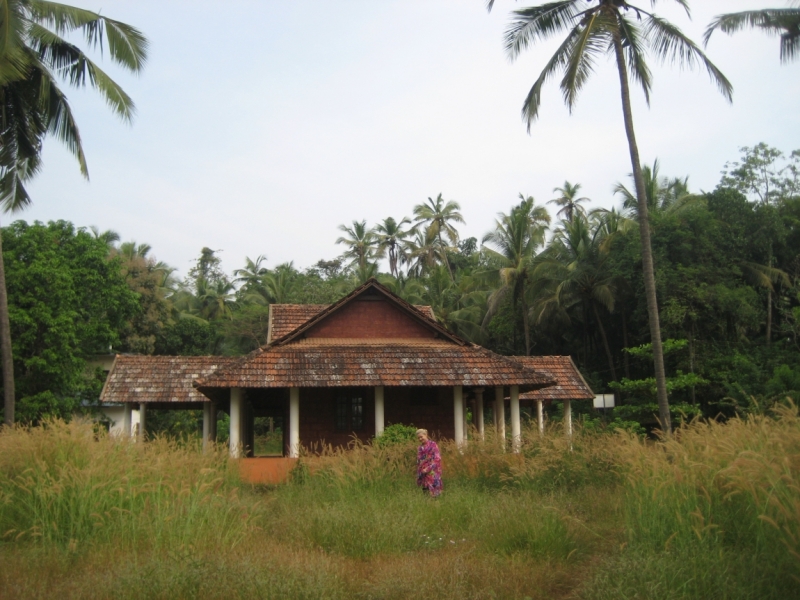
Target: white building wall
(115,414)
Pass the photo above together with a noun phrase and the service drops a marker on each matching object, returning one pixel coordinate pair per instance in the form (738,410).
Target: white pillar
(209,423)
(568,418)
(458,414)
(294,422)
(127,414)
(213,430)
(540,416)
(479,410)
(142,420)
(516,431)
(464,415)
(379,420)
(500,404)
(237,408)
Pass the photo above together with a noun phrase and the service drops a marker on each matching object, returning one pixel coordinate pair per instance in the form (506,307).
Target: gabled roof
(285,318)
(371,287)
(443,359)
(570,384)
(159,378)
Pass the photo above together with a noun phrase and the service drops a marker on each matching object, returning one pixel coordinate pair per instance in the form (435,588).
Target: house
(332,372)
(570,385)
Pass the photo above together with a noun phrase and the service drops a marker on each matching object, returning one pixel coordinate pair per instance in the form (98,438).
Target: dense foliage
(68,302)
(727,268)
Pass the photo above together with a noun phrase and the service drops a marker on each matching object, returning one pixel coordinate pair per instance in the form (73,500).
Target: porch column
(235,437)
(209,423)
(540,416)
(500,403)
(142,420)
(294,422)
(458,414)
(464,412)
(516,433)
(379,421)
(479,410)
(568,419)
(127,413)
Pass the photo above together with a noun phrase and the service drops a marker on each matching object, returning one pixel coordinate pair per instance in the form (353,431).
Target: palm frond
(561,57)
(632,43)
(539,23)
(13,195)
(766,19)
(790,47)
(61,122)
(127,45)
(670,44)
(764,276)
(71,62)
(591,42)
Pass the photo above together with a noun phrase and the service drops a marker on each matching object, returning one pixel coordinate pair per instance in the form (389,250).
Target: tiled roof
(159,378)
(321,362)
(285,318)
(570,384)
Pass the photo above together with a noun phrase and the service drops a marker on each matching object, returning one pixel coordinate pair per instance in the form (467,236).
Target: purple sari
(429,468)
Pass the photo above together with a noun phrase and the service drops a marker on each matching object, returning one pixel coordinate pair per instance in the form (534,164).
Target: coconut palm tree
(280,284)
(438,217)
(458,305)
(580,280)
(34,56)
(421,251)
(568,201)
(517,237)
(782,21)
(664,195)
(626,32)
(390,235)
(250,276)
(360,242)
(109,237)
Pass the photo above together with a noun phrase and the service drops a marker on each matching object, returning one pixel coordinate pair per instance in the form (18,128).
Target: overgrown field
(712,513)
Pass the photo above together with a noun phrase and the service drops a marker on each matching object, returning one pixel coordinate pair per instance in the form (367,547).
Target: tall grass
(67,484)
(713,512)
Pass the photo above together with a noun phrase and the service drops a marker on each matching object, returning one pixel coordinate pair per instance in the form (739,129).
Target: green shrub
(396,434)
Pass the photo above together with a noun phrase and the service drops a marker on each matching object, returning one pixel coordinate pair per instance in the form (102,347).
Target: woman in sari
(429,465)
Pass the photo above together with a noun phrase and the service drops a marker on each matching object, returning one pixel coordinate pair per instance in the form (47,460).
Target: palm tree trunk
(444,258)
(691,360)
(585,336)
(769,301)
(5,346)
(625,356)
(769,317)
(605,342)
(527,329)
(647,252)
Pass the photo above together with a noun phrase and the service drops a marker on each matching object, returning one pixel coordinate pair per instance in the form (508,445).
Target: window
(349,411)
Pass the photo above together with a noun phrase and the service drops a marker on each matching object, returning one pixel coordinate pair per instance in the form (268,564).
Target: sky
(262,126)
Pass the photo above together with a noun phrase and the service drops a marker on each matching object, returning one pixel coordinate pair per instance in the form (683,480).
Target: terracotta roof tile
(570,384)
(317,362)
(159,378)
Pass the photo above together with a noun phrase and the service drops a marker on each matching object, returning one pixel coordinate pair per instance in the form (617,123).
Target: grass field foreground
(713,512)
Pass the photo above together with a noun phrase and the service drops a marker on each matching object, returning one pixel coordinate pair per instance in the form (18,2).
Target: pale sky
(263,125)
